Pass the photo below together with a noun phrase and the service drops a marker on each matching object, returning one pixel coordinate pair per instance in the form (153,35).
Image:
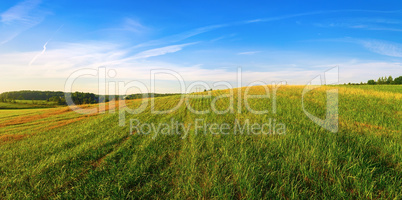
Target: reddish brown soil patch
(65,122)
(26,119)
(6,138)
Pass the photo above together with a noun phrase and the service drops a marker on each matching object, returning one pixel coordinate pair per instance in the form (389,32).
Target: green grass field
(381,88)
(58,153)
(40,102)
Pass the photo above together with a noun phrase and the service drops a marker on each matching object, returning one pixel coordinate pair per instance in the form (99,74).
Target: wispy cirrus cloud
(181,36)
(133,63)
(385,26)
(133,25)
(161,51)
(319,12)
(20,12)
(37,56)
(127,24)
(386,21)
(44,48)
(248,53)
(20,18)
(383,47)
(204,29)
(125,57)
(61,59)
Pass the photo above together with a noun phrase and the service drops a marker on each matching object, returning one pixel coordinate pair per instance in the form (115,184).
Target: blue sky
(42,42)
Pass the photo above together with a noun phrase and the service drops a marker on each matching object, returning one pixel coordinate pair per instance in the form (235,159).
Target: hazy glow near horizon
(42,42)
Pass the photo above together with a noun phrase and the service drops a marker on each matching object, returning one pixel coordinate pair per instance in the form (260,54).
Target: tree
(389,80)
(398,80)
(371,82)
(58,99)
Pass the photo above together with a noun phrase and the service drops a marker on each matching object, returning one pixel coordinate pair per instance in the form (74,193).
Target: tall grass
(93,157)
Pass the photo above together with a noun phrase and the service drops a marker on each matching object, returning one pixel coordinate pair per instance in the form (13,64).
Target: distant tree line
(58,97)
(29,95)
(77,97)
(386,81)
(382,81)
(148,95)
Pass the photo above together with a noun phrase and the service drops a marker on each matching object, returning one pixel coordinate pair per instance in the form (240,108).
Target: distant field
(25,104)
(384,88)
(40,102)
(57,153)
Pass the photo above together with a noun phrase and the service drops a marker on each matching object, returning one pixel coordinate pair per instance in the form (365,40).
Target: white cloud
(383,47)
(127,24)
(133,25)
(20,12)
(62,59)
(377,46)
(160,51)
(359,25)
(41,53)
(248,53)
(181,36)
(19,18)
(197,31)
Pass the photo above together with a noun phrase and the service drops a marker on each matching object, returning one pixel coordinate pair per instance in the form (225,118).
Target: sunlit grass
(56,153)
